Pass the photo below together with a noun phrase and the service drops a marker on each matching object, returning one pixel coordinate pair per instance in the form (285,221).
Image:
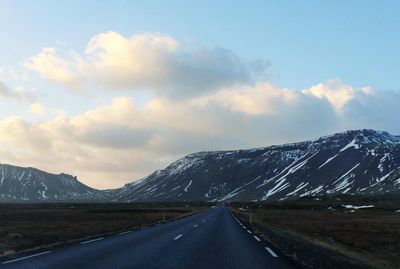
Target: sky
(111,91)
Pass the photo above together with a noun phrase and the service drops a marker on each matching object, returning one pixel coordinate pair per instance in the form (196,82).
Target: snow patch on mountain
(187,187)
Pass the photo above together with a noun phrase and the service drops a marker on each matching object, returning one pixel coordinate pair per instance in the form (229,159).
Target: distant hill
(30,184)
(352,162)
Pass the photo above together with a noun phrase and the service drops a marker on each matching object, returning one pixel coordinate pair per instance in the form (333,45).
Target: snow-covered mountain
(353,162)
(30,184)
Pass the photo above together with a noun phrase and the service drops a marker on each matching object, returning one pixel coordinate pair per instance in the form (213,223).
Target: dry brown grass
(24,227)
(369,235)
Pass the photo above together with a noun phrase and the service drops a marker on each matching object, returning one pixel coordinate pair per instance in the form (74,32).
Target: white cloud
(337,93)
(37,109)
(53,68)
(260,99)
(18,93)
(122,141)
(150,61)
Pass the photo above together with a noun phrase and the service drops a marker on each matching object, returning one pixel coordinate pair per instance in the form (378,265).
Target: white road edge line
(126,232)
(249,231)
(93,240)
(27,257)
(236,219)
(257,238)
(273,254)
(177,237)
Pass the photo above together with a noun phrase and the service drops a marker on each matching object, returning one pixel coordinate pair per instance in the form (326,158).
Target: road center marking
(273,254)
(177,237)
(257,238)
(27,257)
(195,226)
(126,232)
(93,240)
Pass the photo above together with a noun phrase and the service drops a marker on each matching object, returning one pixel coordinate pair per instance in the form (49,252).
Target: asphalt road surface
(210,239)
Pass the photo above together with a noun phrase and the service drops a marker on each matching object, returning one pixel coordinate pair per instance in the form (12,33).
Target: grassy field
(322,234)
(29,226)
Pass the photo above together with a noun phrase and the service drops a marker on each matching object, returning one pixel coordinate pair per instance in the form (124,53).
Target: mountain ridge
(31,184)
(356,161)
(350,145)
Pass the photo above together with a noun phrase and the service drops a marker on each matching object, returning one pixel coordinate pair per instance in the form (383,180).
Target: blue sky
(306,41)
(81,79)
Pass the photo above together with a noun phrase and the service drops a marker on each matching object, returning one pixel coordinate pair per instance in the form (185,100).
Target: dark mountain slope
(30,184)
(353,162)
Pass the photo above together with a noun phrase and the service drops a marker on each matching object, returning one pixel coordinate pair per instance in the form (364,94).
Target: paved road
(211,239)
